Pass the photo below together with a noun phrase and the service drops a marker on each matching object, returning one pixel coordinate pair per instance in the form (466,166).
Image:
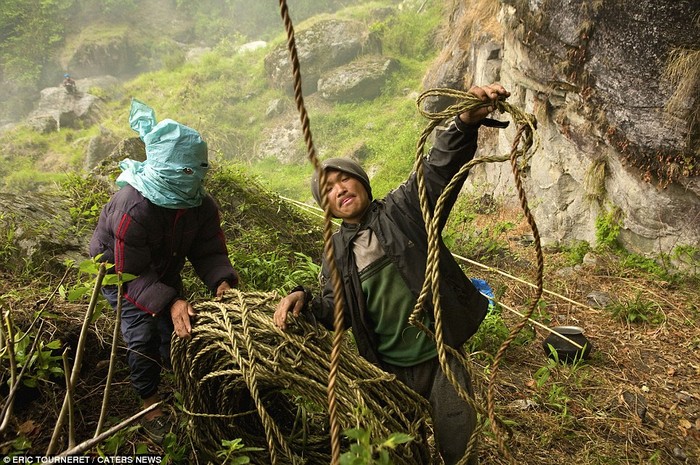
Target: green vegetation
(35,32)
(364,452)
(225,96)
(87,198)
(482,241)
(491,334)
(233,452)
(40,363)
(30,30)
(607,228)
(688,257)
(255,20)
(555,383)
(576,251)
(637,310)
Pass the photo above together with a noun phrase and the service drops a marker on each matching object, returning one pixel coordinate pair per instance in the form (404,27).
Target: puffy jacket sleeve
(208,254)
(132,255)
(453,148)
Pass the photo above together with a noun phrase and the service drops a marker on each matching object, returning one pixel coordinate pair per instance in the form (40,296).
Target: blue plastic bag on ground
(483,287)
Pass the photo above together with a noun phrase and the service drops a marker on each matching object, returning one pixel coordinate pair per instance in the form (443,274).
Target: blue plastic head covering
(66,75)
(176,161)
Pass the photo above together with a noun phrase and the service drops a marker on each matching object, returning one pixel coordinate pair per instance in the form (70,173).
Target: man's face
(347,196)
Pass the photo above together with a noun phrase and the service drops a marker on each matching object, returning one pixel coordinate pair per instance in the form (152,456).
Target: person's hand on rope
(181,312)
(489,93)
(223,287)
(294,302)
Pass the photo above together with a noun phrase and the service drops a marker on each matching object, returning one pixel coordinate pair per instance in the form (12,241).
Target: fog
(41,41)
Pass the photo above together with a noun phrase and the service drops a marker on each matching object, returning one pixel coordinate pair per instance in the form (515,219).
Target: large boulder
(284,141)
(100,147)
(39,233)
(115,49)
(324,45)
(360,80)
(593,75)
(57,108)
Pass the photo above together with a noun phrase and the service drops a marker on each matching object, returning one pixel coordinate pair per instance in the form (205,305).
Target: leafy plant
(86,198)
(42,365)
(364,452)
(607,228)
(175,450)
(491,334)
(575,253)
(82,290)
(274,271)
(647,265)
(8,231)
(20,446)
(689,256)
(559,376)
(231,452)
(114,443)
(638,310)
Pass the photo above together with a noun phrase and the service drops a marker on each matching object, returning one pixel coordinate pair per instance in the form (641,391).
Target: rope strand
(522,148)
(327,235)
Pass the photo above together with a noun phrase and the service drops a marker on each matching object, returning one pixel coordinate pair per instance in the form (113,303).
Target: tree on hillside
(29,33)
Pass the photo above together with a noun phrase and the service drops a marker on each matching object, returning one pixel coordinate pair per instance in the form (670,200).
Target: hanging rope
(327,235)
(522,149)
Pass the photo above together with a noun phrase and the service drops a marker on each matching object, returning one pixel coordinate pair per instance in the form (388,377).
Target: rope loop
(525,143)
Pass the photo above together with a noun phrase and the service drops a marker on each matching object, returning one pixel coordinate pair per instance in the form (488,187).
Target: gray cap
(344,165)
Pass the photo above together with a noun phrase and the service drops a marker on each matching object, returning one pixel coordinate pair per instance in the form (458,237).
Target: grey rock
(360,80)
(41,232)
(71,110)
(618,83)
(598,299)
(275,107)
(325,45)
(636,403)
(283,142)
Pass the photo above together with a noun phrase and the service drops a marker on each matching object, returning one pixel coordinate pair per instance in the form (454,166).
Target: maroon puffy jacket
(152,243)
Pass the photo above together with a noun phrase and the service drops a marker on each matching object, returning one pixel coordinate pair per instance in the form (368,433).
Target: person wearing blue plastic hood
(160,217)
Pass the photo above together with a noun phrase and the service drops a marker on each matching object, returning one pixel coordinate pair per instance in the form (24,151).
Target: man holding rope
(381,252)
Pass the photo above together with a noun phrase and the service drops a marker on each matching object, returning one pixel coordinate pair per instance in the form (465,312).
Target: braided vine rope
(522,148)
(327,234)
(242,377)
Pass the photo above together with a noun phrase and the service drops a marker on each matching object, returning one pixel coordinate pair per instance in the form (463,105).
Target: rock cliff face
(593,73)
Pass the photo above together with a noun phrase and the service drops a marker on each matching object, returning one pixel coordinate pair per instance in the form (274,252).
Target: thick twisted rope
(522,148)
(515,153)
(327,233)
(272,432)
(242,377)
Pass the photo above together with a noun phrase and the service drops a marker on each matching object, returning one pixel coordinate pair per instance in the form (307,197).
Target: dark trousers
(147,339)
(453,419)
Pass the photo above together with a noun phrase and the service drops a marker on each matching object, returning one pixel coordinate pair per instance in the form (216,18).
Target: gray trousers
(453,419)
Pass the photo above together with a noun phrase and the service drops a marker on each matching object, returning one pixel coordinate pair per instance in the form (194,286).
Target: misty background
(39,39)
